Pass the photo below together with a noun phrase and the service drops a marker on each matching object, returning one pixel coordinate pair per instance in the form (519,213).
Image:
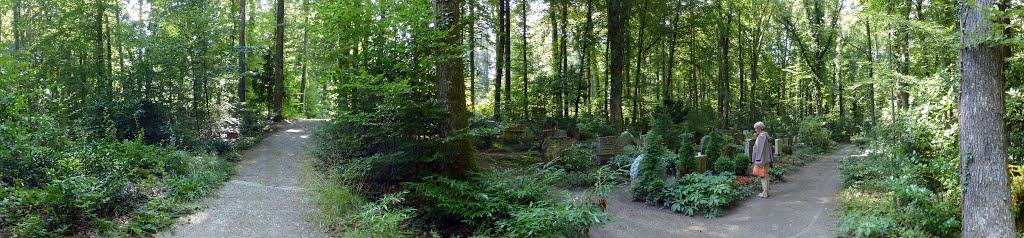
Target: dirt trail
(799,207)
(265,198)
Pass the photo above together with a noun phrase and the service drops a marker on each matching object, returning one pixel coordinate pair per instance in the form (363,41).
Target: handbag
(758,171)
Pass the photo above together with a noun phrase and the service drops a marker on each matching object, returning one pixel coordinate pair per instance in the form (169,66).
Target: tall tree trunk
(589,51)
(723,69)
(508,54)
(672,56)
(16,26)
(694,93)
(108,53)
(616,23)
(499,59)
(472,55)
(241,51)
(755,57)
(871,70)
(451,90)
(639,65)
(565,55)
(100,58)
(742,35)
(302,58)
(279,63)
(555,57)
(526,64)
(983,140)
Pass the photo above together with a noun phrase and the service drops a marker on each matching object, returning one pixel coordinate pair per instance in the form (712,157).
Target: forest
(502,118)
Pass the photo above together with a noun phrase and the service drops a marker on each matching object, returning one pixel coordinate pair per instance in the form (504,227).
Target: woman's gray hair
(759,125)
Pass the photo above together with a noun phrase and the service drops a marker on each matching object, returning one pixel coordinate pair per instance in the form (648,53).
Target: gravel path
(799,207)
(265,198)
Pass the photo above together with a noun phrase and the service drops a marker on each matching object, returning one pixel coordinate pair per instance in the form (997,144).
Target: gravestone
(559,133)
(608,146)
(552,147)
(700,147)
(517,131)
(702,163)
(627,139)
(778,151)
(746,146)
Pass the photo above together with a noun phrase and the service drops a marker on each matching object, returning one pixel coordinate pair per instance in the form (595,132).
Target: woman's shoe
(762,195)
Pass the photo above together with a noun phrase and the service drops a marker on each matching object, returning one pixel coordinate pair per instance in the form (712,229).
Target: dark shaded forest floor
(801,206)
(266,197)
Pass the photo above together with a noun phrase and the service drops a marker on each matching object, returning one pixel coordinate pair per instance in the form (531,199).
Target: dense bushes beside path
(54,184)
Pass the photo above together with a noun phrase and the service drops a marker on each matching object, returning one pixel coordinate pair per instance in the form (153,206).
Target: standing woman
(761,155)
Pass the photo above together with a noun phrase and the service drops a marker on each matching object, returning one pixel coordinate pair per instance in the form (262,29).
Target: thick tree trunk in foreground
(986,193)
(279,63)
(451,89)
(616,21)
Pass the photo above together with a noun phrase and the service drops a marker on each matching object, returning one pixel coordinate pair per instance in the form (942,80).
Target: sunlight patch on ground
(863,153)
(696,228)
(293,131)
(197,218)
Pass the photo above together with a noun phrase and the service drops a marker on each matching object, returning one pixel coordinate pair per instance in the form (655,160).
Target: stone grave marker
(746,146)
(608,146)
(516,131)
(778,150)
(626,138)
(559,133)
(702,163)
(700,147)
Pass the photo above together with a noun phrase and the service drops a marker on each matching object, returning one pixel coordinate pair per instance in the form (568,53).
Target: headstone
(778,151)
(746,146)
(627,139)
(559,133)
(700,147)
(553,147)
(702,163)
(608,146)
(514,132)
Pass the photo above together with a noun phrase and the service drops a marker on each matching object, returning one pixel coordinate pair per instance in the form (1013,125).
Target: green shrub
(547,219)
(383,218)
(715,145)
(649,183)
(686,162)
(701,194)
(625,159)
(593,127)
(742,164)
(813,133)
(892,192)
(578,157)
(512,202)
(725,164)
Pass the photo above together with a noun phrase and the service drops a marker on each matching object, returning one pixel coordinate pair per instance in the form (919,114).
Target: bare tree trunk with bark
(986,192)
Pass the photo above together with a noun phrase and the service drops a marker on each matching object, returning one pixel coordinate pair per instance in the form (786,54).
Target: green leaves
(701,194)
